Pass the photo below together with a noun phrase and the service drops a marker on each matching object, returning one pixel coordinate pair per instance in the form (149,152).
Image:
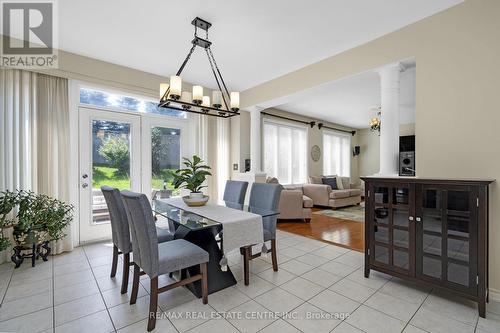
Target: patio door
(110,153)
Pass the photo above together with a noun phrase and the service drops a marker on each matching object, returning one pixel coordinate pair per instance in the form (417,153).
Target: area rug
(352,213)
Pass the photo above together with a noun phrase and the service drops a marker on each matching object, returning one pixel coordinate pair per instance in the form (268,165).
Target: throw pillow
(331,181)
(315,180)
(340,183)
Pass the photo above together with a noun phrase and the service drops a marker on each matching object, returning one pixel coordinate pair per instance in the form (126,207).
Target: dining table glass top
(194,221)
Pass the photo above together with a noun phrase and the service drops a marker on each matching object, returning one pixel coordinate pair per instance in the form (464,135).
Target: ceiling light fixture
(172,96)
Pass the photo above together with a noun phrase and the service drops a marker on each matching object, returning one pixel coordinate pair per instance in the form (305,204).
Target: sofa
(293,204)
(323,195)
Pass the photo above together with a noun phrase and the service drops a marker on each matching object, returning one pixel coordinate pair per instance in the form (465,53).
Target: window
(336,154)
(285,152)
(107,99)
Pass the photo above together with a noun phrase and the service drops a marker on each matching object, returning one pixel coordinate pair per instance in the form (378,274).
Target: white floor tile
(329,252)
(406,291)
(277,278)
(353,290)
(189,315)
(302,288)
(351,258)
(247,322)
(332,302)
(312,259)
(72,279)
(392,306)
(490,324)
(258,265)
(175,297)
(78,308)
(346,328)
(71,268)
(34,322)
(214,325)
(95,323)
(321,277)
(375,281)
(70,293)
(125,314)
(291,252)
(413,329)
(457,308)
(310,319)
(227,299)
(22,306)
(373,321)
(280,326)
(162,325)
(434,323)
(113,297)
(256,286)
(337,268)
(296,267)
(28,289)
(279,300)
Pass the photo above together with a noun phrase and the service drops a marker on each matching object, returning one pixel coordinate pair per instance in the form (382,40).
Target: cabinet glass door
(391,228)
(446,228)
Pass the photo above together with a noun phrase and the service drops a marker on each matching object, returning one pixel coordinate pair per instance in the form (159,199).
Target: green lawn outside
(102,175)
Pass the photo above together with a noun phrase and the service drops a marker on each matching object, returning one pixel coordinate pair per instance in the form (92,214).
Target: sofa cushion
(346,183)
(331,181)
(315,180)
(307,202)
(339,194)
(355,192)
(272,180)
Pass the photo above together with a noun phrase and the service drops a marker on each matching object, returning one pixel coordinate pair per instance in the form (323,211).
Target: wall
(457,89)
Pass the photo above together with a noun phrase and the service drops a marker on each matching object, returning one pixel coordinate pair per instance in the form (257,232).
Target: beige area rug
(352,213)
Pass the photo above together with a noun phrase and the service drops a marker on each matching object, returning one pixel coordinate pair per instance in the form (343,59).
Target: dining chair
(120,233)
(156,259)
(265,196)
(235,191)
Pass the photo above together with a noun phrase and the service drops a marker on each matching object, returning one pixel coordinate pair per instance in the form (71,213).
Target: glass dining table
(202,231)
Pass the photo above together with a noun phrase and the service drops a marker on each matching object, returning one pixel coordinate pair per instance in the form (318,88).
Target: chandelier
(223,104)
(376,122)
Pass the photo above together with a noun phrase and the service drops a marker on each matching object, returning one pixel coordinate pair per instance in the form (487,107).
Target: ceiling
(354,100)
(253,41)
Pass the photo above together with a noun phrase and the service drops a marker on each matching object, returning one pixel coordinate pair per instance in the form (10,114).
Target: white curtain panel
(337,154)
(33,137)
(214,150)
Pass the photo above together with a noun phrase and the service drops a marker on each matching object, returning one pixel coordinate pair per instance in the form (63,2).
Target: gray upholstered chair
(121,235)
(264,196)
(157,259)
(234,192)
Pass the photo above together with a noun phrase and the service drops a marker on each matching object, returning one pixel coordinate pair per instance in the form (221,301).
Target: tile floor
(74,293)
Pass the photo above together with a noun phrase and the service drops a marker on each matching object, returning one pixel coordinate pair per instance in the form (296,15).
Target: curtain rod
(310,123)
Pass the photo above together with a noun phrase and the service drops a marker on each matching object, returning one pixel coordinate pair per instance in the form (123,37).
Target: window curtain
(337,154)
(215,150)
(285,152)
(34,152)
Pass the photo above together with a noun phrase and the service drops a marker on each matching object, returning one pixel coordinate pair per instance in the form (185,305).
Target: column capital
(390,68)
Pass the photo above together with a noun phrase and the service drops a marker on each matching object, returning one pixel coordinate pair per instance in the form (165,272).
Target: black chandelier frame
(173,102)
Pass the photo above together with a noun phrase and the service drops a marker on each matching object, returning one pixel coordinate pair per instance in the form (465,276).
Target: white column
(389,130)
(255,141)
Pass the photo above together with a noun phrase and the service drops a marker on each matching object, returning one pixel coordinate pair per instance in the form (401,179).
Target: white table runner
(241,228)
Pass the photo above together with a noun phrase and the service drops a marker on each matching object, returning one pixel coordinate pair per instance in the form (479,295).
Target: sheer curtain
(33,137)
(215,151)
(336,154)
(285,152)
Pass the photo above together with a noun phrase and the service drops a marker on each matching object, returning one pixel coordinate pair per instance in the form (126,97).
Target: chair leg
(114,264)
(246,264)
(135,284)
(153,303)
(204,282)
(273,255)
(126,271)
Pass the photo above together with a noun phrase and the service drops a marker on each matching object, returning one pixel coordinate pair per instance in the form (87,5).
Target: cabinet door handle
(410,218)
(419,219)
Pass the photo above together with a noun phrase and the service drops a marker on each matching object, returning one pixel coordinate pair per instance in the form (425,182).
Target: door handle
(85,176)
(85,185)
(419,219)
(410,218)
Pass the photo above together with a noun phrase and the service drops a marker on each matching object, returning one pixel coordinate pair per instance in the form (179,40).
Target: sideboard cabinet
(433,231)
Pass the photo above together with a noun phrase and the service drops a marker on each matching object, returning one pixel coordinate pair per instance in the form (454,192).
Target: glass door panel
(165,157)
(109,144)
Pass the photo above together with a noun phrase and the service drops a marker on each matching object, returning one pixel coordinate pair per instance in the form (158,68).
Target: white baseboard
(494,295)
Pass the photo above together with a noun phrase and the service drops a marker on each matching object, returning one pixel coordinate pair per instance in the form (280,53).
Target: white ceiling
(254,41)
(353,101)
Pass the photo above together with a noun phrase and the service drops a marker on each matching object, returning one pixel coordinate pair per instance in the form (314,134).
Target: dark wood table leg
(205,238)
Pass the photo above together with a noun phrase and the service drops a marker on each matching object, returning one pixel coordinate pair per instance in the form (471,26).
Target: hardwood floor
(348,234)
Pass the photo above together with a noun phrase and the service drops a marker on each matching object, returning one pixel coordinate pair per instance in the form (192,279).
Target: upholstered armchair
(294,205)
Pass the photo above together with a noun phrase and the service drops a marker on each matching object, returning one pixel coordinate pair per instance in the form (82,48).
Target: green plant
(39,218)
(192,176)
(115,150)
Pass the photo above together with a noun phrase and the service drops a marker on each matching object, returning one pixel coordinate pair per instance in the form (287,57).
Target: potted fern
(192,177)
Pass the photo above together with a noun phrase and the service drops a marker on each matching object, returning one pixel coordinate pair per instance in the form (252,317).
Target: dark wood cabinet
(434,231)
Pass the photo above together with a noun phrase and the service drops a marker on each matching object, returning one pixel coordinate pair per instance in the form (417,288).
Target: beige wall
(457,89)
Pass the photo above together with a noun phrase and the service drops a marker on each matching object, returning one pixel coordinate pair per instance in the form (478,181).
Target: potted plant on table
(38,220)
(192,178)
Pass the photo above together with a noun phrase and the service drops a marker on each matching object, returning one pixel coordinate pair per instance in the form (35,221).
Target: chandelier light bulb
(235,101)
(217,99)
(175,86)
(197,94)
